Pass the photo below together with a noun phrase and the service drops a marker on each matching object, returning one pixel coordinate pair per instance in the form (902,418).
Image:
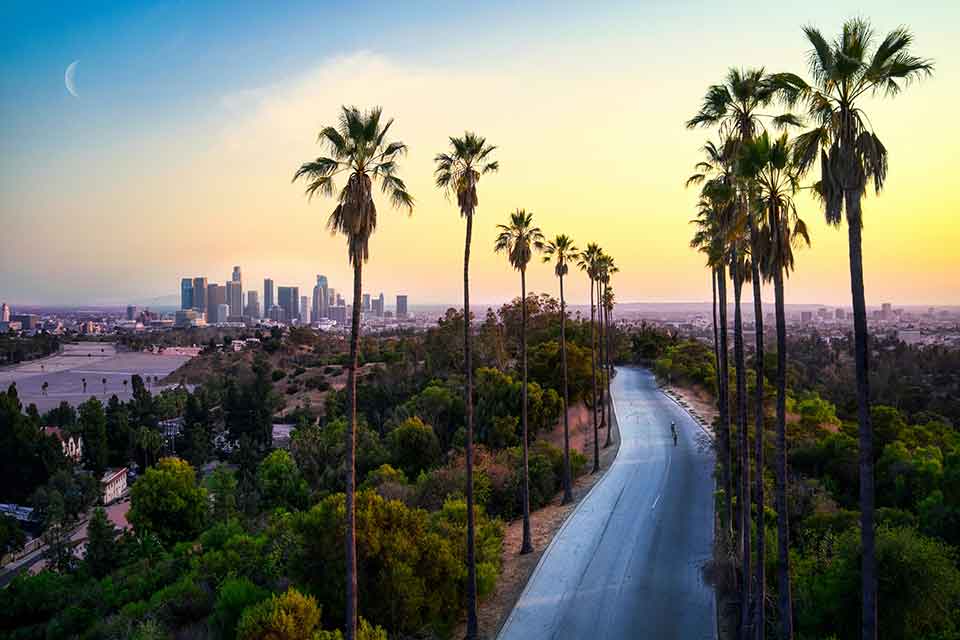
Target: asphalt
(628,562)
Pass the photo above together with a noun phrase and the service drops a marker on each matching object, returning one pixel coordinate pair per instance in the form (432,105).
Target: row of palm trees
(748,225)
(362,156)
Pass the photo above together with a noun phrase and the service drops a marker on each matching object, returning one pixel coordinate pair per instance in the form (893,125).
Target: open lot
(92,362)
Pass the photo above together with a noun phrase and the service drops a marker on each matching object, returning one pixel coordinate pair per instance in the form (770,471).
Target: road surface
(627,563)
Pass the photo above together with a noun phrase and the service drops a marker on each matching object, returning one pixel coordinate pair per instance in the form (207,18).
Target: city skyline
(195,119)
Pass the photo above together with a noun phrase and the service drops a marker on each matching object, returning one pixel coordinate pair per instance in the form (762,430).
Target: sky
(176,156)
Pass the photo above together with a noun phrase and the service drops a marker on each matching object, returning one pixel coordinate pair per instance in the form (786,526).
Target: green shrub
(235,595)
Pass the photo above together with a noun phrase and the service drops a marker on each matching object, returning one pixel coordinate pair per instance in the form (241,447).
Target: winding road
(627,563)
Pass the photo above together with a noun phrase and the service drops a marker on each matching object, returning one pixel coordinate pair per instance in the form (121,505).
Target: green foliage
(280,482)
(319,454)
(166,501)
(222,484)
(92,422)
(101,554)
(235,595)
(687,362)
(414,447)
(289,616)
(546,370)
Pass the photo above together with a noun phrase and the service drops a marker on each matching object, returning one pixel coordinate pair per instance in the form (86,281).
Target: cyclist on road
(673,430)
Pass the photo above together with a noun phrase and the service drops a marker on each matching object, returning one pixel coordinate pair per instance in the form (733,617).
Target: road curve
(627,562)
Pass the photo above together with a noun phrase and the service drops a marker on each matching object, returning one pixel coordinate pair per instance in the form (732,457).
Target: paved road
(627,563)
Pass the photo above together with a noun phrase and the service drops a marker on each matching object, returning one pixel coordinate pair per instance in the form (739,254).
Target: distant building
(235,297)
(113,484)
(26,321)
(366,303)
(253,304)
(383,305)
(885,310)
(72,446)
(288,298)
(186,293)
(806,317)
(236,275)
(331,298)
(4,313)
(339,314)
(401,306)
(216,296)
(268,300)
(319,307)
(131,312)
(223,313)
(277,314)
(839,314)
(304,309)
(200,294)
(187,318)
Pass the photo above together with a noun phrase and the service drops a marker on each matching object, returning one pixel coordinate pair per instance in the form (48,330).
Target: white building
(113,484)
(72,446)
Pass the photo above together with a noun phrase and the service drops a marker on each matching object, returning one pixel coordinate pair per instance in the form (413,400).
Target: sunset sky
(176,157)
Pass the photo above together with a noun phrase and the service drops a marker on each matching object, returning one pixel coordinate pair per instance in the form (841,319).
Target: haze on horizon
(176,157)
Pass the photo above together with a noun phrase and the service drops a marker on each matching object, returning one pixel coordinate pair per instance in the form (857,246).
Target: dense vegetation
(16,348)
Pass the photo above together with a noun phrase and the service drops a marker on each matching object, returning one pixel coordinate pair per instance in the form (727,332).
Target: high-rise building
(339,314)
(223,312)
(200,294)
(235,297)
(331,298)
(253,304)
(131,312)
(319,307)
(277,314)
(4,313)
(366,303)
(236,275)
(383,306)
(806,317)
(268,300)
(186,293)
(885,310)
(839,314)
(216,296)
(401,306)
(288,298)
(304,309)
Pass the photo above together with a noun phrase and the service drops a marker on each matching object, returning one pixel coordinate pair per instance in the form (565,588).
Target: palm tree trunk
(783,523)
(350,630)
(609,376)
(601,332)
(868,569)
(593,371)
(726,451)
(472,626)
(760,586)
(716,330)
(527,545)
(567,480)
(743,504)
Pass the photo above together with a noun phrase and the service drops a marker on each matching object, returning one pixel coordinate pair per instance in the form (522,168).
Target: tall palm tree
(588,262)
(562,252)
(519,239)
(458,173)
(736,107)
(845,72)
(607,269)
(776,178)
(360,153)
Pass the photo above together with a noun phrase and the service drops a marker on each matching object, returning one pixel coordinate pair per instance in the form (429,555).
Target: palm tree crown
(845,70)
(358,149)
(561,251)
(459,172)
(519,239)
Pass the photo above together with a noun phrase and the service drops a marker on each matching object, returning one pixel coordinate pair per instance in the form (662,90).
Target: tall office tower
(382,302)
(277,314)
(339,314)
(223,313)
(401,306)
(235,298)
(200,294)
(236,275)
(216,296)
(304,309)
(331,299)
(319,307)
(288,298)
(253,305)
(340,301)
(131,312)
(885,310)
(4,313)
(186,293)
(268,300)
(366,303)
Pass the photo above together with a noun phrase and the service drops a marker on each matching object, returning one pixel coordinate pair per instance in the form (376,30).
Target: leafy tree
(414,447)
(93,427)
(280,482)
(101,553)
(289,616)
(235,596)
(319,454)
(12,537)
(223,488)
(119,433)
(166,501)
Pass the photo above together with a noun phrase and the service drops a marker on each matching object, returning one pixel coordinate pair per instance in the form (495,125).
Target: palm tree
(458,173)
(562,253)
(83,381)
(607,269)
(851,156)
(776,178)
(588,262)
(104,386)
(518,240)
(359,152)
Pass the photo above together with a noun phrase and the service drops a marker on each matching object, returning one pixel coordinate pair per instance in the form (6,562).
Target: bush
(414,447)
(290,616)
(236,595)
(166,501)
(278,375)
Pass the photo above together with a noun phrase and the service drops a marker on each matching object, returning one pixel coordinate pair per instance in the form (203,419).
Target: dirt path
(516,569)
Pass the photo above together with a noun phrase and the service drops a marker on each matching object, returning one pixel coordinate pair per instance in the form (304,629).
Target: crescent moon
(69,77)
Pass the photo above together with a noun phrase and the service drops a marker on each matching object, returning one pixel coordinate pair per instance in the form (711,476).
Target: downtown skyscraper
(320,304)
(268,300)
(186,293)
